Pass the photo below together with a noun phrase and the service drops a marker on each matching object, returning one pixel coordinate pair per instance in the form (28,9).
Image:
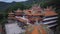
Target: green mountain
(4,5)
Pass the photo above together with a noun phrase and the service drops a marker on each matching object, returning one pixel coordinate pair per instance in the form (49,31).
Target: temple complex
(32,17)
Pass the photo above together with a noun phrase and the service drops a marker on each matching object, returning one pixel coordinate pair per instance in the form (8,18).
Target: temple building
(50,17)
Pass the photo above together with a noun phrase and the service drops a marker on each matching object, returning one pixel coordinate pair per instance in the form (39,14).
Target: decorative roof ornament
(49,8)
(18,10)
(10,13)
(35,8)
(49,11)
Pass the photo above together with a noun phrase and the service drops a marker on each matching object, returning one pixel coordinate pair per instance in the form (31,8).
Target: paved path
(13,28)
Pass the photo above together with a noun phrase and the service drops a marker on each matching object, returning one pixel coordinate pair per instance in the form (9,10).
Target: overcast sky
(12,0)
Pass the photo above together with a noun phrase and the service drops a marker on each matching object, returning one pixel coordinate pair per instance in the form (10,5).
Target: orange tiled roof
(50,12)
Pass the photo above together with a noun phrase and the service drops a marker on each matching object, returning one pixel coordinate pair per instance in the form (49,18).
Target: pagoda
(50,17)
(11,17)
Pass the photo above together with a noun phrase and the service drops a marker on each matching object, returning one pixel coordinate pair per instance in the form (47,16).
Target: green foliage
(43,4)
(16,6)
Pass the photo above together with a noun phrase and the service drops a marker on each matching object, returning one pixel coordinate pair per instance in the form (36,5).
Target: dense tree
(16,6)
